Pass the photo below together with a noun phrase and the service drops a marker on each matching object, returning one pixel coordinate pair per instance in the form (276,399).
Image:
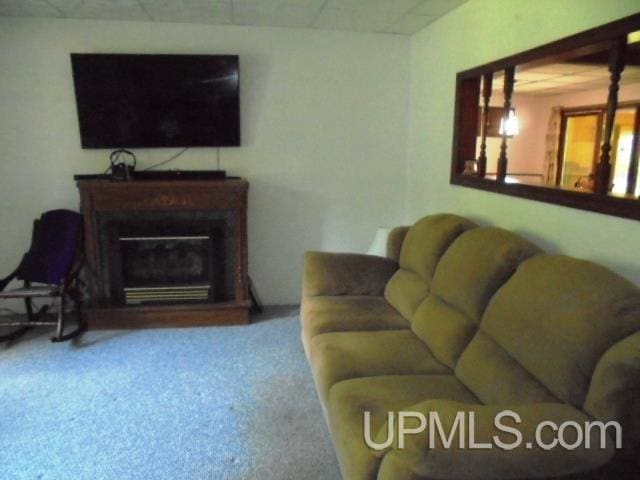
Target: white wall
(476,33)
(324,126)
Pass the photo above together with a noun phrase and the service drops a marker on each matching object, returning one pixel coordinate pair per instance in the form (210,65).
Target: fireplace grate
(138,295)
(166,269)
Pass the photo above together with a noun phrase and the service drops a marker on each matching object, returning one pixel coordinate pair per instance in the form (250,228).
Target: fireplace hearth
(166,253)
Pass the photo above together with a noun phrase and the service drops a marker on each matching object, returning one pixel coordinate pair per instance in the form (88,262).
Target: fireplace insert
(167,257)
(166,268)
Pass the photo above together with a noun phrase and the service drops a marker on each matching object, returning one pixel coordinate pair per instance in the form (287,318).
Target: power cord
(170,159)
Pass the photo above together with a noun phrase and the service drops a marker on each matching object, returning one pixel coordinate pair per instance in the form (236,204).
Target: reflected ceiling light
(510,127)
(633,37)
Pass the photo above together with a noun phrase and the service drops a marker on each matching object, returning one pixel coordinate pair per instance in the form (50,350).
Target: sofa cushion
(343,355)
(325,314)
(494,376)
(405,291)
(614,393)
(348,400)
(423,245)
(555,318)
(394,467)
(472,269)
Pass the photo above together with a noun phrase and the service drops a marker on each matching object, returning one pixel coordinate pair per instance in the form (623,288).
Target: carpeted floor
(199,403)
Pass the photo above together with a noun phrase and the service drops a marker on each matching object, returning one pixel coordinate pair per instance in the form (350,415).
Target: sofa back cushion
(614,393)
(423,245)
(469,273)
(546,329)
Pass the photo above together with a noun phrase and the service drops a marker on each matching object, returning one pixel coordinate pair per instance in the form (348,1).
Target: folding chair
(52,263)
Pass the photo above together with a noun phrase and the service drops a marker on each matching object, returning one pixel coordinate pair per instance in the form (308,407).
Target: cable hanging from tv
(170,159)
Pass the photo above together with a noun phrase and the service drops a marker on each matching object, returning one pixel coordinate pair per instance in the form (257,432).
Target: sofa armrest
(509,456)
(346,274)
(394,242)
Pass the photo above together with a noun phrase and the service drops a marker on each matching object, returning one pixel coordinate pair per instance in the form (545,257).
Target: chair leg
(28,305)
(17,333)
(31,317)
(60,335)
(61,305)
(10,337)
(82,326)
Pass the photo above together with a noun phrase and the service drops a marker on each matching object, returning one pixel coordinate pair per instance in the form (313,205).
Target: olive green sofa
(478,320)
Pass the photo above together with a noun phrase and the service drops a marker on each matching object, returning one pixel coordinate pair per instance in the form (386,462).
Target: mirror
(560,123)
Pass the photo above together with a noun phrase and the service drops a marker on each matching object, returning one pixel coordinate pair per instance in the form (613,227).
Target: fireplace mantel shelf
(105,204)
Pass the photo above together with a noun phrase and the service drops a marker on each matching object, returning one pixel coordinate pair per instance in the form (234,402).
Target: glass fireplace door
(166,269)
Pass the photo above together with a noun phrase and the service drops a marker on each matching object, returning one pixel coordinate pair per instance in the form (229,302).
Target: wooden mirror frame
(468,109)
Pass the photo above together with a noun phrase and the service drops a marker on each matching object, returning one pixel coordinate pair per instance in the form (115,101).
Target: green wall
(475,33)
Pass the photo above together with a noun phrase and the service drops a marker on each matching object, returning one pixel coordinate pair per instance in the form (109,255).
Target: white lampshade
(511,126)
(379,245)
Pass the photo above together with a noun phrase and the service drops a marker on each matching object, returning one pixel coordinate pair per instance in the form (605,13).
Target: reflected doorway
(621,148)
(581,143)
(579,152)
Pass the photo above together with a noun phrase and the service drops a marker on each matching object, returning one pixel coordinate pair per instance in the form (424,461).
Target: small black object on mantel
(121,169)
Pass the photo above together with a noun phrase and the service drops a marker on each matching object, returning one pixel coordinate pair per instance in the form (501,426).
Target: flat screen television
(136,101)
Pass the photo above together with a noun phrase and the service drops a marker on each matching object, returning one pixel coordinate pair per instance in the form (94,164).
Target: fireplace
(166,253)
(166,256)
(166,269)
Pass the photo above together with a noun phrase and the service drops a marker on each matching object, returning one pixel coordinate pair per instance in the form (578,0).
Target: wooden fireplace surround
(102,195)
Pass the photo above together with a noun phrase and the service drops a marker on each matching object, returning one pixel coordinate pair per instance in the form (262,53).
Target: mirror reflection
(551,117)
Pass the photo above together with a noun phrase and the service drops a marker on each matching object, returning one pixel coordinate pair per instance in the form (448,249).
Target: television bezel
(85,144)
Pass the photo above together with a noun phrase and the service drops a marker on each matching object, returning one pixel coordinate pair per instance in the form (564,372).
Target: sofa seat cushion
(347,313)
(343,355)
(349,399)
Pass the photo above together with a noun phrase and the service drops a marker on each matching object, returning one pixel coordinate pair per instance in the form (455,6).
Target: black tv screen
(129,101)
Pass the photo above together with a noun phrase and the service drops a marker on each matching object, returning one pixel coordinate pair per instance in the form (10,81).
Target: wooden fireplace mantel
(99,196)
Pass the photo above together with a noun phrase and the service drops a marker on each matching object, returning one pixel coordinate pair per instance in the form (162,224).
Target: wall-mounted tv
(136,101)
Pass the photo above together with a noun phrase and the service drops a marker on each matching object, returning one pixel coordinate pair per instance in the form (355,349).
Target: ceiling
(403,17)
(557,78)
